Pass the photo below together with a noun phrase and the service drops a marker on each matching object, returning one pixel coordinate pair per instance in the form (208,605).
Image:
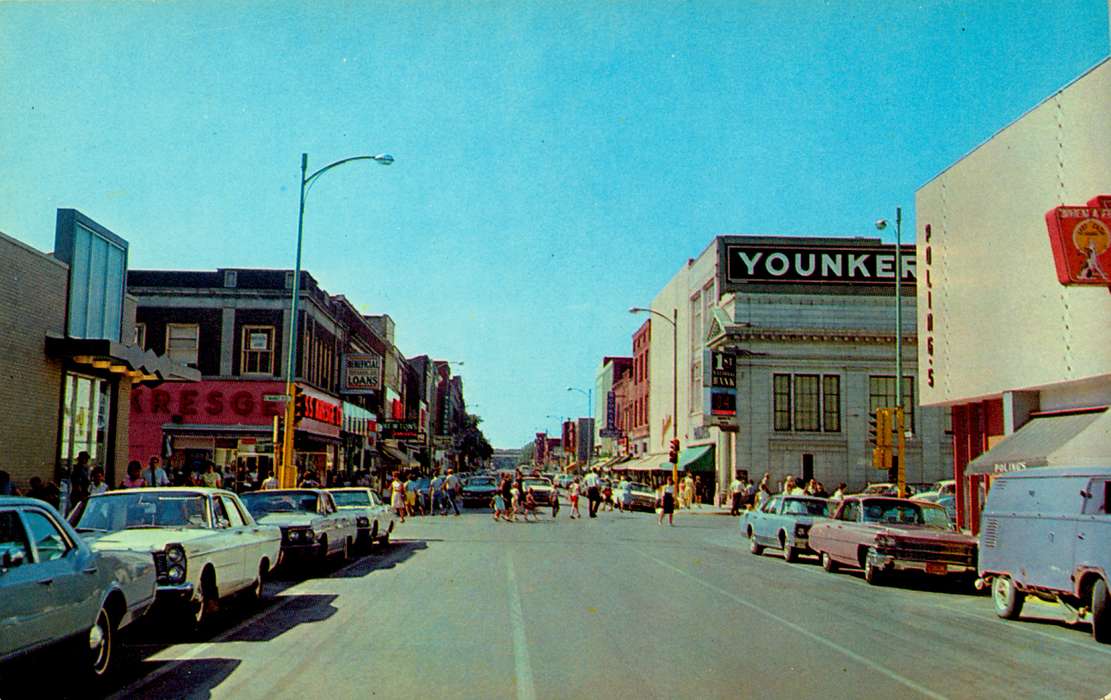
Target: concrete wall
(32,304)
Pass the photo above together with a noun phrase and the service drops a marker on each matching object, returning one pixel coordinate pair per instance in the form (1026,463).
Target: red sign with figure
(1081,240)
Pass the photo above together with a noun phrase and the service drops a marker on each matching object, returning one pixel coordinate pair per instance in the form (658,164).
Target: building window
(696,385)
(881,394)
(696,324)
(781,401)
(231,278)
(258,350)
(86,417)
(182,341)
(141,336)
(831,403)
(807,403)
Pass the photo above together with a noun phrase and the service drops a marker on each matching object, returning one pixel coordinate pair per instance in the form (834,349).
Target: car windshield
(352,498)
(906,513)
(480,481)
(130,510)
(536,483)
(806,506)
(262,503)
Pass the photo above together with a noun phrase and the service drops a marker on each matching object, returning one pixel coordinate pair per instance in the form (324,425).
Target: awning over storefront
(616,463)
(653,462)
(397,456)
(1077,440)
(141,366)
(699,458)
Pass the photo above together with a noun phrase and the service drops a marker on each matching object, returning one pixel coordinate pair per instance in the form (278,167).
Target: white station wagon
(205,544)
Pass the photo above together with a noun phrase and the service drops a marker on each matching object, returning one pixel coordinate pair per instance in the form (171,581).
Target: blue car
(783,522)
(56,591)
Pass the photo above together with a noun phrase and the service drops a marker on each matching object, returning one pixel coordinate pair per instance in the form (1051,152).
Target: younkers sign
(814,264)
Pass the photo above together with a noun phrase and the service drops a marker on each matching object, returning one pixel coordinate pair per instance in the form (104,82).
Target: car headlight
(885,541)
(176,574)
(362,521)
(801,530)
(175,553)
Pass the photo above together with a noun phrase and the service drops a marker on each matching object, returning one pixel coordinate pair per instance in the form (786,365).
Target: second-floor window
(258,350)
(182,341)
(806,402)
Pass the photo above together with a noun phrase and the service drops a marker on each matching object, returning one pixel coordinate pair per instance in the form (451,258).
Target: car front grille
(943,552)
(161,568)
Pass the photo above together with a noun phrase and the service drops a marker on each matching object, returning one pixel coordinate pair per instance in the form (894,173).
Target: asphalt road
(617,607)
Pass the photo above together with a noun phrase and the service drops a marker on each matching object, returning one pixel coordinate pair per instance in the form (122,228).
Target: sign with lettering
(747,263)
(400,430)
(719,389)
(1080,237)
(362,373)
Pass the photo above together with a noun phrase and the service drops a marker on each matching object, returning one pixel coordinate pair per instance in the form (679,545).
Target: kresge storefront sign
(362,373)
(1080,237)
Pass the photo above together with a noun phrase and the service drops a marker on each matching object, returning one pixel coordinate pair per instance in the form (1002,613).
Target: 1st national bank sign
(805,263)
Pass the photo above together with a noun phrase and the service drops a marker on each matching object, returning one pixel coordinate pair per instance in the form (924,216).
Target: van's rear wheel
(1101,612)
(1006,598)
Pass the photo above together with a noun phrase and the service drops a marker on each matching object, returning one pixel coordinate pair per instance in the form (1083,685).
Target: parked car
(937,491)
(373,518)
(886,488)
(56,591)
(479,490)
(882,535)
(783,522)
(312,527)
(205,545)
(1046,533)
(541,488)
(644,496)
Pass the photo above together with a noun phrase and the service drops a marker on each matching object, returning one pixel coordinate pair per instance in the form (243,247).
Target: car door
(243,540)
(764,527)
(337,522)
(226,554)
(24,602)
(840,546)
(65,574)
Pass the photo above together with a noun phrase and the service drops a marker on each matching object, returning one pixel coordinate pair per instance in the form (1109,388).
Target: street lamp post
(899,414)
(287,473)
(589,394)
(674,321)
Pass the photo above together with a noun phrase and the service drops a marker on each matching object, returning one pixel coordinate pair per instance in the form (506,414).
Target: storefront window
(86,414)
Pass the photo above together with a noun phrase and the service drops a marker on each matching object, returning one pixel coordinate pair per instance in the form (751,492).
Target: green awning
(699,458)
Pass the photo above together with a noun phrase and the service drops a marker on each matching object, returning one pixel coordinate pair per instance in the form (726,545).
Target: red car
(882,535)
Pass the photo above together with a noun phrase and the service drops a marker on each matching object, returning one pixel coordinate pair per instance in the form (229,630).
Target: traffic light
(879,435)
(299,405)
(673,454)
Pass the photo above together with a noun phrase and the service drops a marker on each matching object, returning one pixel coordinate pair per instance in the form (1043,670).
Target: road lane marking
(526,690)
(875,666)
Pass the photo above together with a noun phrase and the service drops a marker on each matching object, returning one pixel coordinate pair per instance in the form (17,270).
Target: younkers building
(809,325)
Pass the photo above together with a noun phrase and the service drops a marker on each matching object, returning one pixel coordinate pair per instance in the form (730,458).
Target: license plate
(935,568)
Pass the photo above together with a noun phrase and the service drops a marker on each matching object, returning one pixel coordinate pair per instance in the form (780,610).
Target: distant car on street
(312,526)
(373,518)
(882,535)
(542,488)
(1046,533)
(479,490)
(644,496)
(56,591)
(784,522)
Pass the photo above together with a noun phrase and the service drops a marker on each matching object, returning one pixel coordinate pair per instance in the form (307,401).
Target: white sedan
(373,518)
(206,546)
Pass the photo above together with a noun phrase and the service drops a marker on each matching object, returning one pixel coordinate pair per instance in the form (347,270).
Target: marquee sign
(746,263)
(1080,237)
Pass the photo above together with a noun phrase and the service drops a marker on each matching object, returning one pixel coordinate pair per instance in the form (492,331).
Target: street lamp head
(881,224)
(383,158)
(635,309)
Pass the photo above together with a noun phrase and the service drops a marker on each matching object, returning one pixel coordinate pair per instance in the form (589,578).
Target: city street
(613,607)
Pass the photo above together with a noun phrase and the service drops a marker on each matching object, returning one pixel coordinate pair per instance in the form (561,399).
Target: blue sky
(557,162)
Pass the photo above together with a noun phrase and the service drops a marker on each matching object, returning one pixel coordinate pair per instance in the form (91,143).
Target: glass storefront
(86,420)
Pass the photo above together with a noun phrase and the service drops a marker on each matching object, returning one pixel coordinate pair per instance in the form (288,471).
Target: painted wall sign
(816,264)
(1080,237)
